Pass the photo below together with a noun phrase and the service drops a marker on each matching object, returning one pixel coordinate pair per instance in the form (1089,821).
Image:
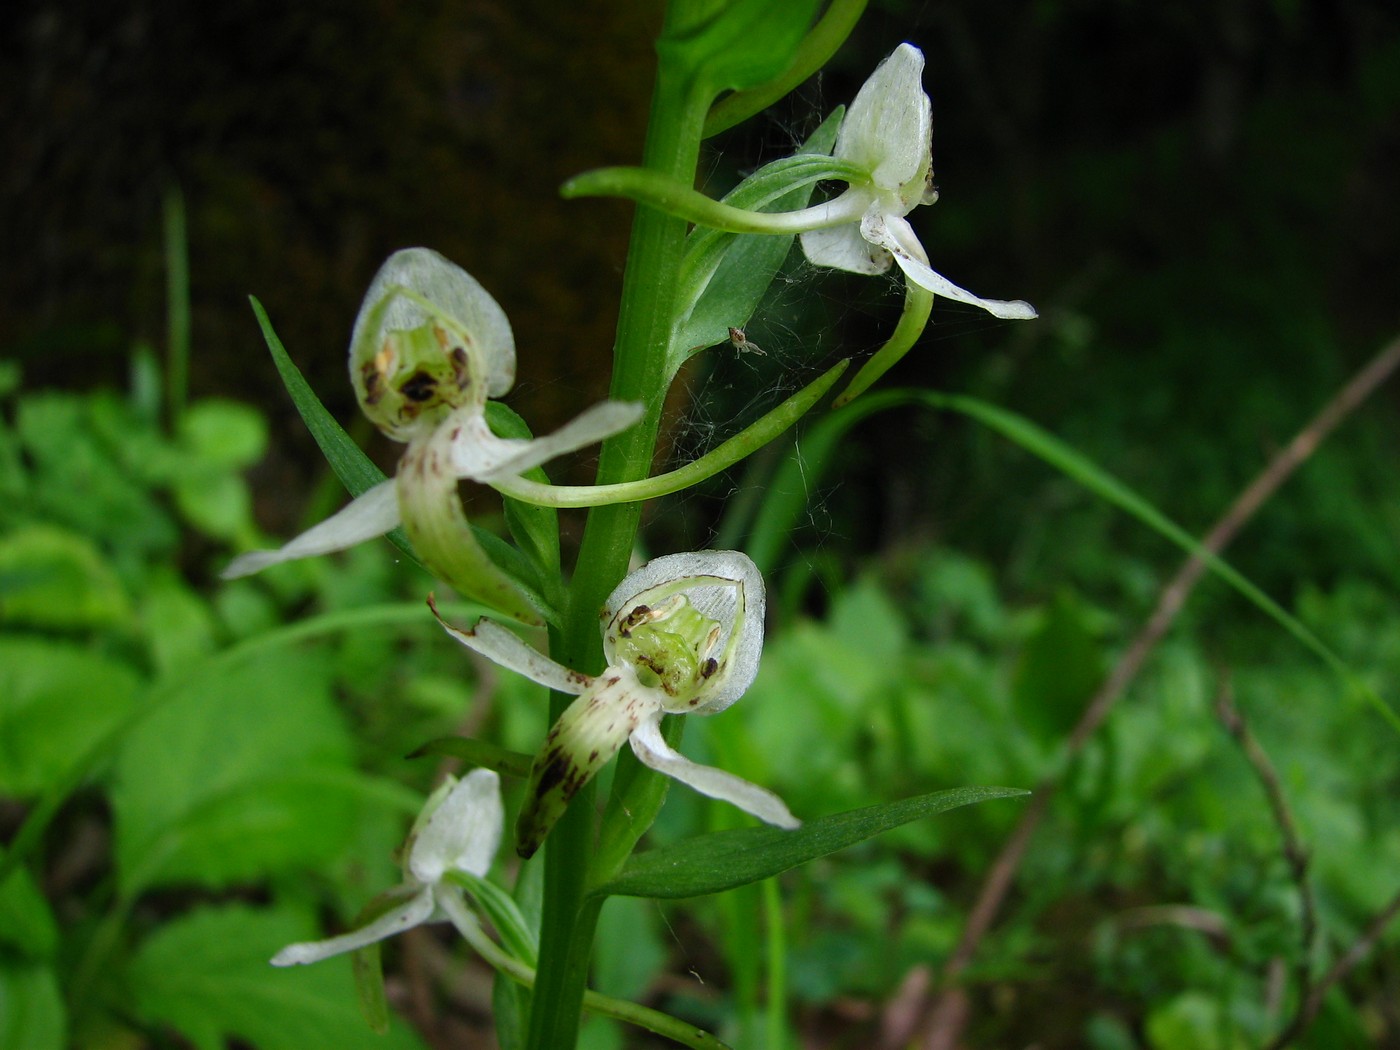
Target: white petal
(601,421)
(473,450)
(372,514)
(504,647)
(889,127)
(463,831)
(843,248)
(723,585)
(413,912)
(651,747)
(895,235)
(449,287)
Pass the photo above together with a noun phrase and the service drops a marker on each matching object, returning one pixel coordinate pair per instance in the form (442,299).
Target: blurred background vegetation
(1199,197)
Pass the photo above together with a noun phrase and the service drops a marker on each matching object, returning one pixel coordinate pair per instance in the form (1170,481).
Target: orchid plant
(430,355)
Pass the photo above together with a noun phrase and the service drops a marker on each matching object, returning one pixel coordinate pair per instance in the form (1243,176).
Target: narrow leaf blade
(725,859)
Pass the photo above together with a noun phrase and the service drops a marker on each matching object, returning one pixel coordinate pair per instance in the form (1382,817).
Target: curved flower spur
(429,347)
(681,635)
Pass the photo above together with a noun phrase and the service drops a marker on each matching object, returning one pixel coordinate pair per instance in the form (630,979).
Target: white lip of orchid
(682,634)
(459,829)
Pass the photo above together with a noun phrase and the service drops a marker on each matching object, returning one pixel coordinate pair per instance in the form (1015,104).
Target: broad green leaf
(226,434)
(63,782)
(811,55)
(733,44)
(725,859)
(628,953)
(178,625)
(216,503)
(27,926)
(224,782)
(479,753)
(1060,667)
(206,975)
(56,701)
(56,579)
(32,1016)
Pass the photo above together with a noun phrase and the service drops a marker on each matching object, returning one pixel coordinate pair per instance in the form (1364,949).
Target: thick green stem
(639,374)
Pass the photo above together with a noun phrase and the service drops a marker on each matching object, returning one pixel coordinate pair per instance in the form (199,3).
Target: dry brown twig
(949,1009)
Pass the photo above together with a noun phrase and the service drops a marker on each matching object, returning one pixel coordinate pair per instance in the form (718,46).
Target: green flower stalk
(681,635)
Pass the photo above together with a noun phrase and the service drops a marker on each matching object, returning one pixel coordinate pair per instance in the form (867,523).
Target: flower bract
(681,635)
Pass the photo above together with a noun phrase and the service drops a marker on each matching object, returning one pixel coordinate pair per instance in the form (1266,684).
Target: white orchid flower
(888,132)
(459,830)
(681,635)
(429,347)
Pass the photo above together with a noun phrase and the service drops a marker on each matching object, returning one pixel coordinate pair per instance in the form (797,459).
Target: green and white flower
(888,133)
(681,635)
(429,347)
(459,830)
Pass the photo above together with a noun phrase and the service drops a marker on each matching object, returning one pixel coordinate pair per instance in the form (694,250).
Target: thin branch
(1348,961)
(1294,852)
(949,1013)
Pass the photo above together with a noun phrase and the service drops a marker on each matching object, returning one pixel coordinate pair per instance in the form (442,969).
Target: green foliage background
(1200,199)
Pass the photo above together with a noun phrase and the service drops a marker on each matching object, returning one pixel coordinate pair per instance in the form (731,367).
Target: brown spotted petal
(584,739)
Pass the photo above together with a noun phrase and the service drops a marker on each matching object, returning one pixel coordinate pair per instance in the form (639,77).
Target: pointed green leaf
(355,470)
(206,975)
(725,859)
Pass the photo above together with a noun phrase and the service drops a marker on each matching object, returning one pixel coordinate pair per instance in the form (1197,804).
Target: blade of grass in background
(788,494)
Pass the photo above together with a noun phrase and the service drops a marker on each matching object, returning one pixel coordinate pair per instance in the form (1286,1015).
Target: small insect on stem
(740,342)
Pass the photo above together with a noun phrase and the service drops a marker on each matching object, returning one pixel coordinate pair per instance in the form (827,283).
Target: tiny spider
(740,342)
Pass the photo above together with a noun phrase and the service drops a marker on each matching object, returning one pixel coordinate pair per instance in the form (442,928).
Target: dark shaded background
(1200,197)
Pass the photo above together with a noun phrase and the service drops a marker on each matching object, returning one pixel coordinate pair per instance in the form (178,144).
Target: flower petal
(843,248)
(601,421)
(372,514)
(896,236)
(889,127)
(413,912)
(462,832)
(651,747)
(504,647)
(449,287)
(581,742)
(724,586)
